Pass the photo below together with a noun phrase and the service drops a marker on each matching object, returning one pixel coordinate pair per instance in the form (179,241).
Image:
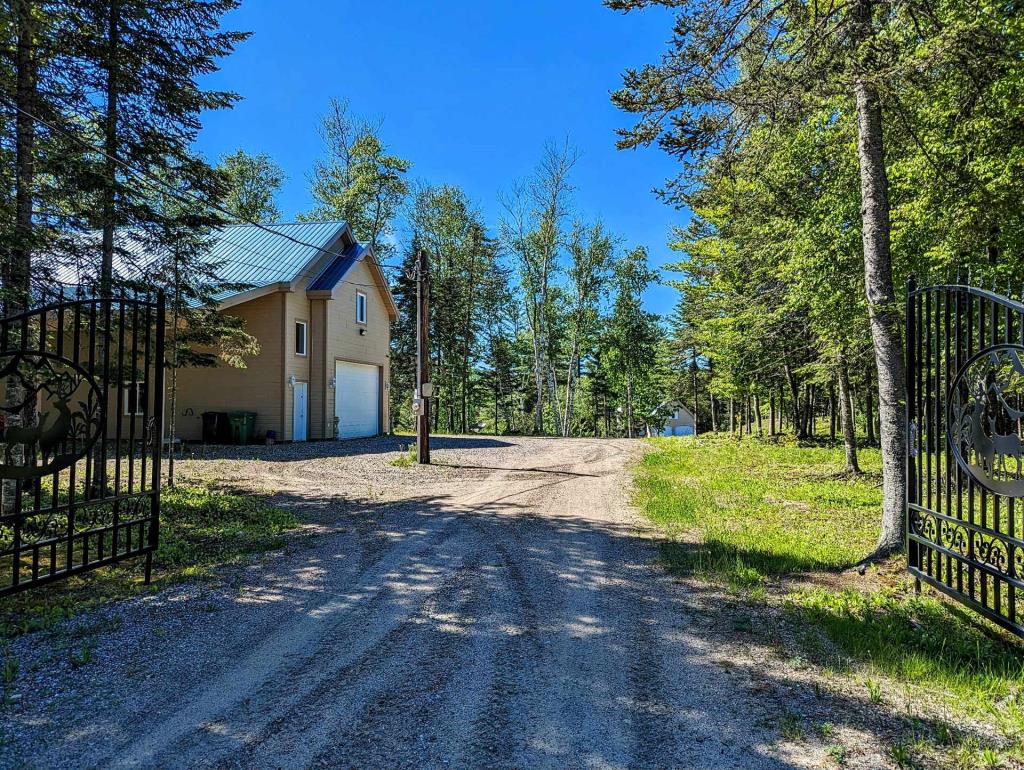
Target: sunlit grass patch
(924,642)
(745,514)
(754,510)
(201,528)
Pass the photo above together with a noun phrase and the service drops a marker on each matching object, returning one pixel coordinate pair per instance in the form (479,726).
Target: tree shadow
(302,451)
(439,631)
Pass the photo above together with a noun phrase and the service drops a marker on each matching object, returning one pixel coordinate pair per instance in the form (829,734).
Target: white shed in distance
(675,418)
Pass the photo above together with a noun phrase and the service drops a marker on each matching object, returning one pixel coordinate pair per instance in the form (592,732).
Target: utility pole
(424,388)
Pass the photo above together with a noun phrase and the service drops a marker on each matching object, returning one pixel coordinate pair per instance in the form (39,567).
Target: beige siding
(319,427)
(332,335)
(296,308)
(257,388)
(344,342)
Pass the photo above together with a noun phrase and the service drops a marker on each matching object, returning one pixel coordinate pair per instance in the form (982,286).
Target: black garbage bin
(216,428)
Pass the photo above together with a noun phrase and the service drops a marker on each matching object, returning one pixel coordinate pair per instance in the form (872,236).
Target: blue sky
(469,91)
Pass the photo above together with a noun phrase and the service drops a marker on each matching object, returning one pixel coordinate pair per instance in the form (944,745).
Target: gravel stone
(501,608)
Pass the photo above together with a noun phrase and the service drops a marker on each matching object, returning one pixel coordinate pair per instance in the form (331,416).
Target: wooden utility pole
(424,394)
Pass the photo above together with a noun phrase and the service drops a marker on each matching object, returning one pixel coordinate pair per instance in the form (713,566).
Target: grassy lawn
(776,522)
(201,528)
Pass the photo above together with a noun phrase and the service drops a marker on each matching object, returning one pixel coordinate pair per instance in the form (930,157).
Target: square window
(300,338)
(134,398)
(360,307)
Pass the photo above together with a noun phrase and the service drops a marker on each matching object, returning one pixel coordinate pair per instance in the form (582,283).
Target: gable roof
(337,268)
(256,259)
(665,408)
(251,255)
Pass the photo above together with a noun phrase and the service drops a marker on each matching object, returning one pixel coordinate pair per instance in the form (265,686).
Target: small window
(300,338)
(360,307)
(134,398)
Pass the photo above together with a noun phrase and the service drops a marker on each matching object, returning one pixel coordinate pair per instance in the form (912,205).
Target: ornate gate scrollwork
(65,427)
(984,416)
(81,404)
(965,459)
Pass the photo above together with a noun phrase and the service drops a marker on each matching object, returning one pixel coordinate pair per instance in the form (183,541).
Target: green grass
(759,509)
(201,528)
(744,514)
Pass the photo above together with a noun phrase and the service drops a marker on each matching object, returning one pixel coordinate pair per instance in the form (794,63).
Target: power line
(153,180)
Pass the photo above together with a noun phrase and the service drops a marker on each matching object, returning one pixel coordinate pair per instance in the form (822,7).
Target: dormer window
(360,307)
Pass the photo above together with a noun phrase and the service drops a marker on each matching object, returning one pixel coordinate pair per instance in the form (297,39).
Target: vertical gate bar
(87,489)
(158,416)
(912,493)
(983,492)
(132,418)
(972,588)
(146,360)
(19,483)
(997,584)
(37,485)
(929,432)
(928,404)
(958,358)
(59,347)
(919,405)
(945,453)
(107,340)
(1011,527)
(76,344)
(936,423)
(118,418)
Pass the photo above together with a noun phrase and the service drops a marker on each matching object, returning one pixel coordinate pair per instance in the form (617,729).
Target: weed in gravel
(406,459)
(790,727)
(838,753)
(874,691)
(826,729)
(85,654)
(11,668)
(902,756)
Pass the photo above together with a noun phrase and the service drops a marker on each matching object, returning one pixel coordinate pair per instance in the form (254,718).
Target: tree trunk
(794,389)
(832,410)
(629,404)
(883,310)
(17,275)
(757,412)
(110,147)
(846,404)
(869,414)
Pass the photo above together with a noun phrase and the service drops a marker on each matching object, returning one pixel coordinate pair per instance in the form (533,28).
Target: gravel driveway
(500,609)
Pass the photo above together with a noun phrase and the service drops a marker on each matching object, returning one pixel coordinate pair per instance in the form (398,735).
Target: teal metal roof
(250,255)
(244,255)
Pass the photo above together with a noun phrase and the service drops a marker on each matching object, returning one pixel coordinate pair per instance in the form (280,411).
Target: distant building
(675,419)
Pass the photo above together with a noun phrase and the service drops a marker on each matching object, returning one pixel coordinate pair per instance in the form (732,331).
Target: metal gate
(81,388)
(965,464)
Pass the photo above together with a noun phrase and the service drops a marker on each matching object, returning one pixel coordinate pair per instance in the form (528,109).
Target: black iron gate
(965,464)
(82,391)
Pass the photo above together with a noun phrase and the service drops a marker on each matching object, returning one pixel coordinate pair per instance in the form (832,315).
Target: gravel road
(501,609)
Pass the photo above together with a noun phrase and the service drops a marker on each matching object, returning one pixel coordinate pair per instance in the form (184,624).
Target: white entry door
(300,411)
(357,399)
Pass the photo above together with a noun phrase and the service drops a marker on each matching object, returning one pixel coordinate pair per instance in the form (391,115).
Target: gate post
(911,427)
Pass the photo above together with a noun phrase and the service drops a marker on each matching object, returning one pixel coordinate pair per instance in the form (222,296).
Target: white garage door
(357,399)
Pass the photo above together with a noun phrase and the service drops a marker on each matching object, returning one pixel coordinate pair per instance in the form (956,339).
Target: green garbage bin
(243,425)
